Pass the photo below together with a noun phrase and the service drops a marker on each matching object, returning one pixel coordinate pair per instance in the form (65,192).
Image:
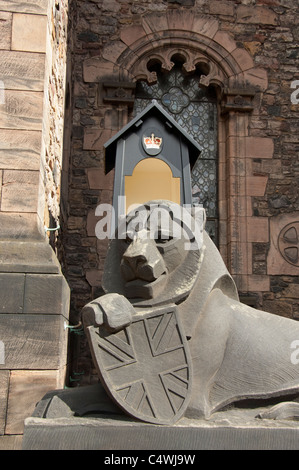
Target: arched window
(195,109)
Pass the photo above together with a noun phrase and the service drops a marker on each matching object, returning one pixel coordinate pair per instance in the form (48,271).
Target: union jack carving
(146,367)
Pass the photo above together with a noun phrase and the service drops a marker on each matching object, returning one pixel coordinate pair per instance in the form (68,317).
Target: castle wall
(252,50)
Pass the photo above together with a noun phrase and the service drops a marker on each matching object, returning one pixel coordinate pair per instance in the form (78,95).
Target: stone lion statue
(237,352)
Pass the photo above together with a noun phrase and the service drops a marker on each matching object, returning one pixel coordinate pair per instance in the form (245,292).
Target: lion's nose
(142,260)
(134,261)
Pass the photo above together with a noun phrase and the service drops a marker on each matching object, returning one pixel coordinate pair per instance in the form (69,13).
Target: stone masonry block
(33,342)
(94,139)
(19,225)
(236,229)
(94,277)
(236,147)
(256,185)
(98,180)
(4,382)
(22,110)
(291,292)
(131,34)
(259,147)
(26,6)
(25,390)
(106,196)
(243,59)
(113,50)
(27,256)
(11,292)
(19,199)
(13,442)
(225,40)
(102,247)
(46,294)
(21,177)
(236,167)
(255,77)
(240,258)
(92,220)
(238,125)
(112,435)
(237,186)
(29,33)
(21,71)
(19,149)
(155,22)
(238,206)
(20,191)
(258,229)
(257,283)
(205,26)
(177,20)
(96,69)
(221,8)
(75,223)
(5,29)
(256,15)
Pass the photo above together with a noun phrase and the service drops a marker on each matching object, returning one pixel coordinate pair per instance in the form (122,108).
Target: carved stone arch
(200,41)
(240,84)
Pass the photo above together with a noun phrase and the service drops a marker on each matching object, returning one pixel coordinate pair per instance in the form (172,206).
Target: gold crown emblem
(152,142)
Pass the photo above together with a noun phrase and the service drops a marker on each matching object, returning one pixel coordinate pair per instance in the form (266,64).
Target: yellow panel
(151,179)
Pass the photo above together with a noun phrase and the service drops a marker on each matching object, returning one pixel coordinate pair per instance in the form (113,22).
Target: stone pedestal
(34,306)
(85,419)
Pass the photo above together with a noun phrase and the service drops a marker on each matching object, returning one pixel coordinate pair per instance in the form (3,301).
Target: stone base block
(79,420)
(110,434)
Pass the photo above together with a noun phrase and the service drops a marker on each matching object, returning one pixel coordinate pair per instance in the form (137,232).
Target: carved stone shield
(146,367)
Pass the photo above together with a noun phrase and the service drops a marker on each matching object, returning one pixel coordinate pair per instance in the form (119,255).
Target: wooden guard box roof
(152,109)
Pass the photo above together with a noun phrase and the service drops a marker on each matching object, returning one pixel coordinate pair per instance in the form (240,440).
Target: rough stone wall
(54,106)
(258,34)
(275,45)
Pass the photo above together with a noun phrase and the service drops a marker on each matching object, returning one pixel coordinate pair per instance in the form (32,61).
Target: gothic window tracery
(195,109)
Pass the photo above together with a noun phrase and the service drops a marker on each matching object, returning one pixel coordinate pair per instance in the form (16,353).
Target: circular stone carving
(288,243)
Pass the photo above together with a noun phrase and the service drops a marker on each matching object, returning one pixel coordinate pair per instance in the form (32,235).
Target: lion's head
(155,256)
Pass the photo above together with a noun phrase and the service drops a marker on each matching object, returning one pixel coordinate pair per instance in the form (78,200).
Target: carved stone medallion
(146,367)
(288,242)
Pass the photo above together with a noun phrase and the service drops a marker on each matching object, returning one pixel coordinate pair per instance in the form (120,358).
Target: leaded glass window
(195,109)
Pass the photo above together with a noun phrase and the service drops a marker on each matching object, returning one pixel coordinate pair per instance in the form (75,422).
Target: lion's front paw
(112,310)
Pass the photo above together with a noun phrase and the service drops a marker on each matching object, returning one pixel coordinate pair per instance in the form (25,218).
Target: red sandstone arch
(196,38)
